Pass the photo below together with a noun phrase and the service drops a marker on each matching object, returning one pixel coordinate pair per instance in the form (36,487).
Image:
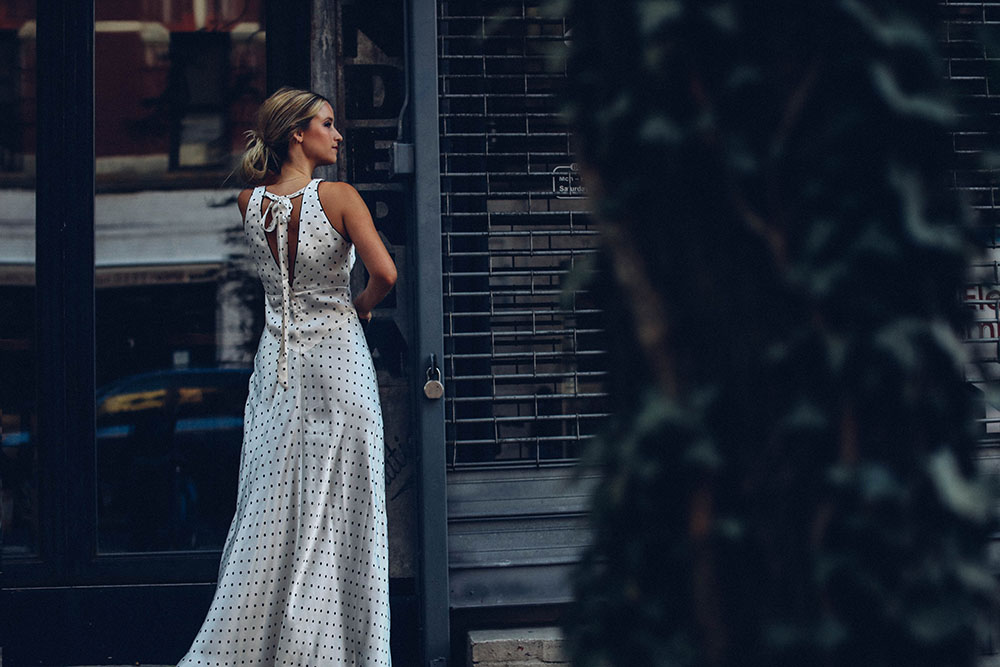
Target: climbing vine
(789,477)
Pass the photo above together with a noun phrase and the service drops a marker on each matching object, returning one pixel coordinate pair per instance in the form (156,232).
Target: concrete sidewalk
(515,647)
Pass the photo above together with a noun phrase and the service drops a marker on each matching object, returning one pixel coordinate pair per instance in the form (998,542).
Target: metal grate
(522,367)
(973,72)
(523,371)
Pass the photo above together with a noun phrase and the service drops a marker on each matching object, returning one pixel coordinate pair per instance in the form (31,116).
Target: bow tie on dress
(280,212)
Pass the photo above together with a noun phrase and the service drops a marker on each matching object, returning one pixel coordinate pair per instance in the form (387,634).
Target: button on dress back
(304,574)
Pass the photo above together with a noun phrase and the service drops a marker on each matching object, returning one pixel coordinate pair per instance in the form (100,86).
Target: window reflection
(18,461)
(167,446)
(199,74)
(177,307)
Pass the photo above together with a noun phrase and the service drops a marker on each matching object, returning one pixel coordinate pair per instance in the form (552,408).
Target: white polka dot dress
(304,578)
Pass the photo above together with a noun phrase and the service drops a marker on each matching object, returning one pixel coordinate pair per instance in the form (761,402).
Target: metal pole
(287,44)
(64,270)
(429,334)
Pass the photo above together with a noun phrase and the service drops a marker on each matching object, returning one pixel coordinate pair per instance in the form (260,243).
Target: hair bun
(257,158)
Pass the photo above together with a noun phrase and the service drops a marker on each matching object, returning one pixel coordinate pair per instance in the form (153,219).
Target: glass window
(18,460)
(178,310)
(199,76)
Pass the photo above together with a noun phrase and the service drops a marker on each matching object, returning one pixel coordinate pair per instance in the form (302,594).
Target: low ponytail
(278,118)
(258,160)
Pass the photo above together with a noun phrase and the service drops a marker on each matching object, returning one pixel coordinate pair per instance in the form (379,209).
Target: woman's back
(304,575)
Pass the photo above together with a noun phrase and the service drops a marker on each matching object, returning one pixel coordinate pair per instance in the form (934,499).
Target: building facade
(129,314)
(128,330)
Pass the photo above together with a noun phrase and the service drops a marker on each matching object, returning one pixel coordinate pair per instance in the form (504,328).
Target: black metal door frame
(429,330)
(64,269)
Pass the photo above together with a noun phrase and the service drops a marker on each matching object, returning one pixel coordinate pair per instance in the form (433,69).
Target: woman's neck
(297,165)
(292,175)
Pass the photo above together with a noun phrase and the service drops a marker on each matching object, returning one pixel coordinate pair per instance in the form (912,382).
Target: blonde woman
(304,578)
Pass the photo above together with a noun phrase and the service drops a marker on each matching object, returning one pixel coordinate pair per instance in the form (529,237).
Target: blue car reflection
(168,447)
(167,462)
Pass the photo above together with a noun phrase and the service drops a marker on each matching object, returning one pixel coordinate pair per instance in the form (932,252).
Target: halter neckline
(290,195)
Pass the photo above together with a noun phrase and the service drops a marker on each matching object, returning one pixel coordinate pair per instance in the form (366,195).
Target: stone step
(517,647)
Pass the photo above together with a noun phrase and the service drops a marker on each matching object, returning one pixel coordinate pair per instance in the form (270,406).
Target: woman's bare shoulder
(337,193)
(243,199)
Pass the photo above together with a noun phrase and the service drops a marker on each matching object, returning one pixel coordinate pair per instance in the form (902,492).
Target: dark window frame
(65,326)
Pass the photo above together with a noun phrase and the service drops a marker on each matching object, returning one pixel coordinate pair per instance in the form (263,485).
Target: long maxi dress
(304,575)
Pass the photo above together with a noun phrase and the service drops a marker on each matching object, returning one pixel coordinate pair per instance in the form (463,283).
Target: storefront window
(177,318)
(18,456)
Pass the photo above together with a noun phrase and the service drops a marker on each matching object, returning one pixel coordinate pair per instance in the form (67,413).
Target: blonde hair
(284,112)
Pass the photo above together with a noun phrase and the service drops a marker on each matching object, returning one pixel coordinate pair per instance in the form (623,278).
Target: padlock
(433,388)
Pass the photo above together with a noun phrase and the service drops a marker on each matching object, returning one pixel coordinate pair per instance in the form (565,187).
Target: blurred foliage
(789,476)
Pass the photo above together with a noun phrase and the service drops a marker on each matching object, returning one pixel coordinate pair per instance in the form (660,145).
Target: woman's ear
(297,136)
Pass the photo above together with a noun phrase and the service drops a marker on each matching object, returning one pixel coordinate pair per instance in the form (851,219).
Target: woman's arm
(360,229)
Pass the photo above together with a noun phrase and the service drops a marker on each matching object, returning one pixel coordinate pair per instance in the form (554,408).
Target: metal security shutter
(521,368)
(522,362)
(968,67)
(973,73)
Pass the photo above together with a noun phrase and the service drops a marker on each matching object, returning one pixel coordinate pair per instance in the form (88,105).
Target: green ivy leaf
(655,15)
(978,577)
(722,15)
(892,32)
(966,498)
(910,189)
(657,130)
(703,454)
(877,483)
(915,105)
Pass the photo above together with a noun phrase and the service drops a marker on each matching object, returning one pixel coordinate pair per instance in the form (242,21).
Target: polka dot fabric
(304,578)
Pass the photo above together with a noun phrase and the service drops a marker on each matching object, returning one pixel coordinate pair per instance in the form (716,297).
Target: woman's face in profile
(321,141)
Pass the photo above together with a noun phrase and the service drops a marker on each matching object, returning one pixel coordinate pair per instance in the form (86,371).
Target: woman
(304,575)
